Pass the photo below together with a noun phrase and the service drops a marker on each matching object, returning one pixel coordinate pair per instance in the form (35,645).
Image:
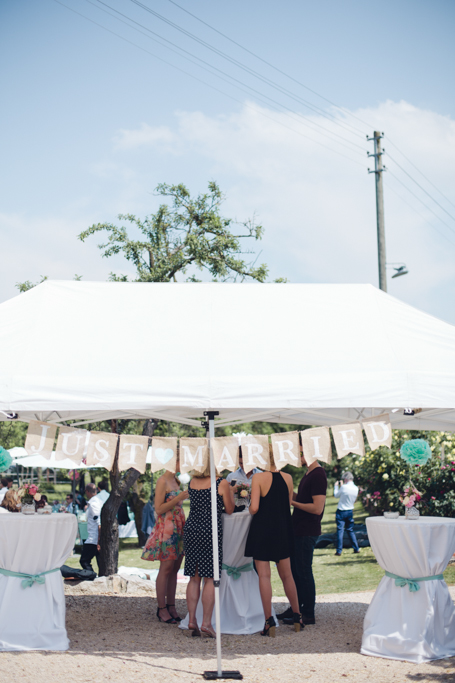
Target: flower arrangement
(243,490)
(410,496)
(30,494)
(5,459)
(416,452)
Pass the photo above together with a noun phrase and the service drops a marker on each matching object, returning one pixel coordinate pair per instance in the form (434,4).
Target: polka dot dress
(197,538)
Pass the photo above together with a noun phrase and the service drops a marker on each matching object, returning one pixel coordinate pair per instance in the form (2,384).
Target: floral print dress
(166,540)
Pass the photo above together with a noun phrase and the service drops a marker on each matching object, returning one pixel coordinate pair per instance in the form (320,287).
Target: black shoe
(356,552)
(338,554)
(177,619)
(287,614)
(165,621)
(269,628)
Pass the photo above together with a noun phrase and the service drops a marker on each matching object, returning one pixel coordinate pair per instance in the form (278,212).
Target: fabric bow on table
(28,579)
(413,584)
(236,571)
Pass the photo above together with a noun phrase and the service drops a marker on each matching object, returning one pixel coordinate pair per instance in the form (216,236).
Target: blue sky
(92,123)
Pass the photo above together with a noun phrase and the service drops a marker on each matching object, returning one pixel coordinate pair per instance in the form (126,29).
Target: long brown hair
(11,501)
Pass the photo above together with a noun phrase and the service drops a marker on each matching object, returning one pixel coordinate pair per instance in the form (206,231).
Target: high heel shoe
(207,632)
(177,618)
(269,628)
(297,622)
(165,621)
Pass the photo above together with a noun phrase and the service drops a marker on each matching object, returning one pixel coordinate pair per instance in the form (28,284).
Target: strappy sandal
(269,628)
(192,631)
(207,632)
(177,618)
(165,621)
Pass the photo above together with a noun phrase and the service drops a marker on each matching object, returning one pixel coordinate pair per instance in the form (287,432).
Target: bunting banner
(286,449)
(71,444)
(164,453)
(379,431)
(255,452)
(40,438)
(225,453)
(348,439)
(101,449)
(132,452)
(316,445)
(194,455)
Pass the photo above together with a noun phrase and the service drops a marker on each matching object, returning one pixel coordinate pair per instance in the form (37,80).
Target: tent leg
(219,673)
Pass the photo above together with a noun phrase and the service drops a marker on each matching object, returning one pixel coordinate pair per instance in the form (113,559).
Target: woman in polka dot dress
(197,542)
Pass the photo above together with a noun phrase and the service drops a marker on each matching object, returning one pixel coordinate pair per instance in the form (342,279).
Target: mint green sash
(236,571)
(28,579)
(413,583)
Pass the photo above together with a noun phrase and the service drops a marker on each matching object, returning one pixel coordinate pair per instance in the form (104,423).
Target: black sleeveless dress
(270,537)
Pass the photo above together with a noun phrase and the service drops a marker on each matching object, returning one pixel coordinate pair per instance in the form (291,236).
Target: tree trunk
(109,539)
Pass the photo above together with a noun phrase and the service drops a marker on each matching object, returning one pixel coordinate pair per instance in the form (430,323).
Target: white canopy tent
(292,353)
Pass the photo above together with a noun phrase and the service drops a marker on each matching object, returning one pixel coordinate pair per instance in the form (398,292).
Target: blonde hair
(11,501)
(200,475)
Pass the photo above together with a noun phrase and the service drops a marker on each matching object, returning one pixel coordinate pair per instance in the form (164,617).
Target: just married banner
(188,454)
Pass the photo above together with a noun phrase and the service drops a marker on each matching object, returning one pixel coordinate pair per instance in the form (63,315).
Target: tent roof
(294,353)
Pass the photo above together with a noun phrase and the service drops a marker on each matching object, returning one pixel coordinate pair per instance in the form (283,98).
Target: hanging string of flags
(100,448)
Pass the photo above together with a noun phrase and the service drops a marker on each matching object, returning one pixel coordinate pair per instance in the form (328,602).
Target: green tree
(182,237)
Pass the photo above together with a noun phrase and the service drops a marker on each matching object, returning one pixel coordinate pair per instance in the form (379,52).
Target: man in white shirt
(239,476)
(90,548)
(6,484)
(347,493)
(103,493)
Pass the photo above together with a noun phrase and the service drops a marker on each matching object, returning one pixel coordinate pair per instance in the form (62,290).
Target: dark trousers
(345,518)
(302,571)
(89,551)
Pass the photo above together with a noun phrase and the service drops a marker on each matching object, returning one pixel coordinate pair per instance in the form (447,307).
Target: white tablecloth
(399,624)
(240,600)
(34,618)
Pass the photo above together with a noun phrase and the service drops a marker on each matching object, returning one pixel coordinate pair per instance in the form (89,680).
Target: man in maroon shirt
(309,503)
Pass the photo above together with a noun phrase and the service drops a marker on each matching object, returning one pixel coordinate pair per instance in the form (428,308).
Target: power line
(422,202)
(311,124)
(346,111)
(205,83)
(240,65)
(417,169)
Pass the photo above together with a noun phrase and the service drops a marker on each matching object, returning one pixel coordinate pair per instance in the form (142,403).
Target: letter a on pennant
(101,449)
(379,431)
(225,453)
(194,454)
(133,452)
(348,439)
(316,445)
(286,449)
(40,438)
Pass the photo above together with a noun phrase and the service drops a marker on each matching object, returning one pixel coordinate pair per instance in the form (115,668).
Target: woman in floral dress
(165,544)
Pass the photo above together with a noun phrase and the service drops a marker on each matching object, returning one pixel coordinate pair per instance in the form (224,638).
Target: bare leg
(208,602)
(193,591)
(284,570)
(265,586)
(172,585)
(161,586)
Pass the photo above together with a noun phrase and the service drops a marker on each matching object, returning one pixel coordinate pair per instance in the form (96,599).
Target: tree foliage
(182,237)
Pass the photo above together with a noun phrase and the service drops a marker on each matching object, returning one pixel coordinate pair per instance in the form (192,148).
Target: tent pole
(213,675)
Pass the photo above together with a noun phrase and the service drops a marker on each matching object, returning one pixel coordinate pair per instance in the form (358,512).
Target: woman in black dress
(270,539)
(198,546)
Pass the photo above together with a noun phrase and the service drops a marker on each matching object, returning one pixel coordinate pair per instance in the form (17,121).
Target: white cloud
(140,137)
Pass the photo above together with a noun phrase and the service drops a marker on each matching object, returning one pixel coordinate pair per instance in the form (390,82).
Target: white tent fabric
(295,353)
(40,461)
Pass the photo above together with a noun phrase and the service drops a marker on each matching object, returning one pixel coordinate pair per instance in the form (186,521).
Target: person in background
(70,505)
(165,543)
(90,547)
(42,502)
(6,484)
(309,503)
(198,546)
(11,502)
(347,493)
(55,506)
(270,539)
(239,476)
(103,490)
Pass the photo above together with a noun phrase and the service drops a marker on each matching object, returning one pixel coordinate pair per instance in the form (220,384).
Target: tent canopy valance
(295,353)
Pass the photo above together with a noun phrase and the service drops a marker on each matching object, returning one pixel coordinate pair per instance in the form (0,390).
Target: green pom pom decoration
(5,459)
(416,452)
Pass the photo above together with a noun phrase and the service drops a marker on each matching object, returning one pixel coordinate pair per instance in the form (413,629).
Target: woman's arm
(255,494)
(227,491)
(315,508)
(160,494)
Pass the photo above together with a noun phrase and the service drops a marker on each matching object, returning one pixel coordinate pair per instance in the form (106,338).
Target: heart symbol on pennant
(164,454)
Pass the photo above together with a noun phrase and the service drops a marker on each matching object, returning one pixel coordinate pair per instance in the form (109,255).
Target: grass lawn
(345,574)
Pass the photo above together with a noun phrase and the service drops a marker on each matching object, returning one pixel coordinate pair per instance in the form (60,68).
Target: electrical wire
(283,73)
(270,118)
(211,68)
(242,66)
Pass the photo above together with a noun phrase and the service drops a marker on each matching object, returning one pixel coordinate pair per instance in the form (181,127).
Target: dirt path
(117,638)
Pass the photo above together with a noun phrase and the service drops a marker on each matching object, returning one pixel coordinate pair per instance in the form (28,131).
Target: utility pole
(378,171)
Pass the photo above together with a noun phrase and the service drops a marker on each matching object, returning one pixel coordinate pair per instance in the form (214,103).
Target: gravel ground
(117,638)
